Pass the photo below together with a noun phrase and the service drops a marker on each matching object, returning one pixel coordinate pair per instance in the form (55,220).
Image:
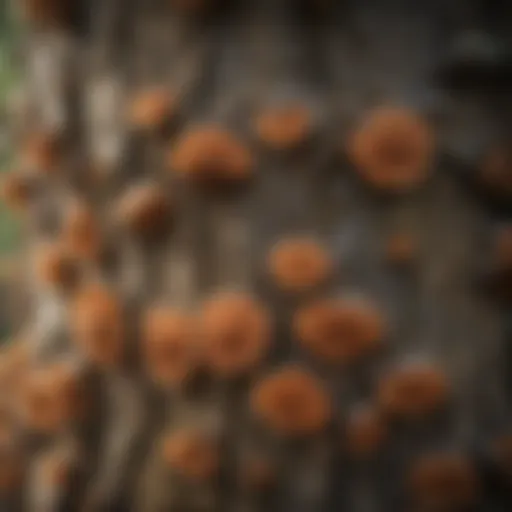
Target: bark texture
(270,257)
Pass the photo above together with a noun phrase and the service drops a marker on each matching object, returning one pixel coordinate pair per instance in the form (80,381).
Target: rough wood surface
(333,64)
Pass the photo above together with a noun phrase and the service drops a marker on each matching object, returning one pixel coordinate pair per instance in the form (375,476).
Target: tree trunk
(269,255)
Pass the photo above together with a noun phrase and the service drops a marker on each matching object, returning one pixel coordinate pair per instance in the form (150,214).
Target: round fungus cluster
(235,333)
(299,264)
(340,330)
(283,128)
(169,345)
(414,390)
(392,149)
(144,210)
(80,232)
(210,154)
(151,109)
(42,153)
(292,402)
(97,324)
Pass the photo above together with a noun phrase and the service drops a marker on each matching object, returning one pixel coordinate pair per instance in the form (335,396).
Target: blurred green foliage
(9,229)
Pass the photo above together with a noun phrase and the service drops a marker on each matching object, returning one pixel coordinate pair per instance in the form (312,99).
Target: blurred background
(9,228)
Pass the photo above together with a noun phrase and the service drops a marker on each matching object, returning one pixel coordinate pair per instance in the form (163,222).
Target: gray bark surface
(340,61)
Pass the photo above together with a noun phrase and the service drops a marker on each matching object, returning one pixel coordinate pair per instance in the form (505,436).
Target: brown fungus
(392,149)
(413,391)
(151,109)
(285,127)
(299,264)
(236,333)
(144,210)
(339,331)
(210,154)
(169,345)
(366,432)
(49,398)
(446,480)
(292,402)
(42,153)
(56,267)
(192,454)
(80,232)
(97,324)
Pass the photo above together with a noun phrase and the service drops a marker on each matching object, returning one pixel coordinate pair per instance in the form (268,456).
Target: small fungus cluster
(97,324)
(144,210)
(210,154)
(292,402)
(299,264)
(413,391)
(339,330)
(284,128)
(80,232)
(55,266)
(170,345)
(151,109)
(392,149)
(236,333)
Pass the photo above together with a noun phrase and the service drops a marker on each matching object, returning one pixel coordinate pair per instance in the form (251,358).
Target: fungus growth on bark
(170,345)
(97,324)
(392,149)
(339,330)
(56,267)
(292,402)
(80,232)
(235,332)
(211,155)
(284,127)
(299,264)
(151,109)
(144,210)
(413,391)
(41,152)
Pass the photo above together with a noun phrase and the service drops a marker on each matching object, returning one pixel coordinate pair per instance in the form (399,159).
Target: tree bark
(198,137)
